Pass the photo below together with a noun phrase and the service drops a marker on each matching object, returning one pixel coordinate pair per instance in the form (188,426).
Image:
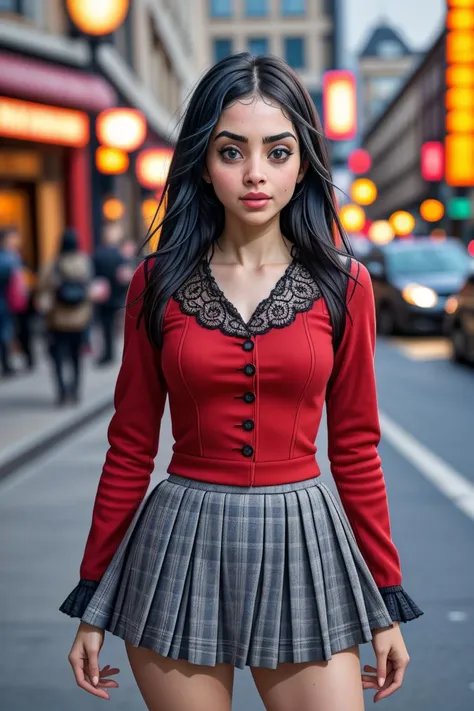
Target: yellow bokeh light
(460,19)
(381,232)
(352,217)
(432,210)
(363,191)
(402,222)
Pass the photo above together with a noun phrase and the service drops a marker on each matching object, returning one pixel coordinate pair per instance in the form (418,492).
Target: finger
(367,667)
(110,672)
(396,683)
(92,666)
(382,666)
(82,682)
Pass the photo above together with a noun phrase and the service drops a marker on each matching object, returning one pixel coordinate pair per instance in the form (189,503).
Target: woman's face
(253,149)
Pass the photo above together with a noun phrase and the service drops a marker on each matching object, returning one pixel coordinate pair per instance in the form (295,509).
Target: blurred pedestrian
(23,310)
(64,298)
(10,298)
(109,263)
(251,321)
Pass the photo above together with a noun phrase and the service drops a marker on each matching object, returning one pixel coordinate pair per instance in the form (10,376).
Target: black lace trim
(200,296)
(76,602)
(399,604)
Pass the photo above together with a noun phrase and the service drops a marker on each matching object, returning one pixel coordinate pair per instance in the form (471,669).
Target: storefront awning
(28,78)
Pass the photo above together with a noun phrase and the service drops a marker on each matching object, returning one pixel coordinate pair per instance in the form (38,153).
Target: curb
(19,454)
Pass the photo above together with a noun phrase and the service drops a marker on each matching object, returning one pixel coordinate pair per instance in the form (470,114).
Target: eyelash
(287,152)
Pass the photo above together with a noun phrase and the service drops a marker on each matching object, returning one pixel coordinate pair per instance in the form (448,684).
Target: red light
(340,105)
(470,248)
(432,160)
(359,161)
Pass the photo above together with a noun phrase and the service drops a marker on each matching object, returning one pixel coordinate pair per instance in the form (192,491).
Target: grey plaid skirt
(222,574)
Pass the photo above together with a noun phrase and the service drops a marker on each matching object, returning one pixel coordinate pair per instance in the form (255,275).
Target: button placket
(248,397)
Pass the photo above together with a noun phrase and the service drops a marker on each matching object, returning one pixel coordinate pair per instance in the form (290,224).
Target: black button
(249,397)
(249,369)
(247,450)
(248,345)
(248,425)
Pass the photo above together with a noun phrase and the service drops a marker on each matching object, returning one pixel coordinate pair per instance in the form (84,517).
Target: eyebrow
(266,139)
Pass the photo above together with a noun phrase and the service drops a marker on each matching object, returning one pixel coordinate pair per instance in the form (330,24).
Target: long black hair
(194,217)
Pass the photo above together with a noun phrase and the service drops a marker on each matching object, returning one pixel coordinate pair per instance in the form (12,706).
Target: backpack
(71,292)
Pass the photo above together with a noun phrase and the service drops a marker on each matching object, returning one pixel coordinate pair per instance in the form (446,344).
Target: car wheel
(458,341)
(386,324)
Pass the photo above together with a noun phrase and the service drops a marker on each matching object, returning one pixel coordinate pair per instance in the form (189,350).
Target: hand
(84,659)
(392,661)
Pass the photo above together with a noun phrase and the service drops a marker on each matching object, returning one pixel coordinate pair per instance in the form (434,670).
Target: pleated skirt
(213,574)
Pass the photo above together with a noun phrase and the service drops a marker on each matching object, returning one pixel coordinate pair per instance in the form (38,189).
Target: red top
(246,402)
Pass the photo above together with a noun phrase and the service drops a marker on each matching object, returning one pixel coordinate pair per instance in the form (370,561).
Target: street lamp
(97,17)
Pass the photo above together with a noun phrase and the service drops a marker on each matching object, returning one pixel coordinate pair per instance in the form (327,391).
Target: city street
(426,405)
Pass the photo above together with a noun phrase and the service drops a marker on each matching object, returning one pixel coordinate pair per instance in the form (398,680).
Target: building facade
(53,84)
(384,63)
(415,115)
(302,32)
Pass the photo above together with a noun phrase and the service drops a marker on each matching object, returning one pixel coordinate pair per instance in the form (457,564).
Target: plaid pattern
(213,573)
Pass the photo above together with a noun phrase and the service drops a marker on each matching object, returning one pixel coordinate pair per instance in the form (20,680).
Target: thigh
(317,686)
(176,685)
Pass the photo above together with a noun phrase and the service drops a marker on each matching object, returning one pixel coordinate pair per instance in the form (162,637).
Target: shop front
(46,114)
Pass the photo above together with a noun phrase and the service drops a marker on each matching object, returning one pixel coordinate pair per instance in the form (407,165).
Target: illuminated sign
(459,142)
(340,105)
(46,124)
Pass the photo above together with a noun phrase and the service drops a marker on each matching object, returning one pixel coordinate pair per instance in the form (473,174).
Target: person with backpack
(64,297)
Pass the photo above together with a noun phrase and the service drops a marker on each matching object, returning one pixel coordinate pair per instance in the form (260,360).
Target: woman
(250,319)
(64,298)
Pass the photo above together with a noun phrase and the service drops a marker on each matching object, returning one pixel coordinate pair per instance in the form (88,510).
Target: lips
(256,196)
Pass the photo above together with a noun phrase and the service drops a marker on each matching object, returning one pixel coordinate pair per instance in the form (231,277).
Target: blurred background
(91,93)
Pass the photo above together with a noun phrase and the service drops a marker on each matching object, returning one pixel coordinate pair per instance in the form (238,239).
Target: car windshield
(428,259)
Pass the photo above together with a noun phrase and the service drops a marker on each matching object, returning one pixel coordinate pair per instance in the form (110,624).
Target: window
(293,7)
(19,7)
(317,99)
(258,45)
(294,52)
(256,8)
(222,48)
(220,8)
(389,49)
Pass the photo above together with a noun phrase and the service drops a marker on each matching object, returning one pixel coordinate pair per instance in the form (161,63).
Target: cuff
(400,606)
(77,601)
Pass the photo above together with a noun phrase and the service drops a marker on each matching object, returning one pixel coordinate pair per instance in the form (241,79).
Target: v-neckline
(261,304)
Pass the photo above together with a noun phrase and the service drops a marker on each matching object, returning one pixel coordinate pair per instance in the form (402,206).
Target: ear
(302,171)
(206,176)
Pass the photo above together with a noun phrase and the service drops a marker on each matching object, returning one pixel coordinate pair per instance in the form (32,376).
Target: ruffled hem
(400,605)
(77,601)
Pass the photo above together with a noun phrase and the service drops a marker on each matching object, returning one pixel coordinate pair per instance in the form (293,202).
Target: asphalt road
(45,514)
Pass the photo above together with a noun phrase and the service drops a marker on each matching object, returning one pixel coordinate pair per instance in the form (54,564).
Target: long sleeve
(353,438)
(133,434)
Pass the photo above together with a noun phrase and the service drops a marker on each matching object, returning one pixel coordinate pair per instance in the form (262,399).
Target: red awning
(28,78)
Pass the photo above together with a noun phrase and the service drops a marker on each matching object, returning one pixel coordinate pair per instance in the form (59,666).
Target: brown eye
(226,151)
(283,154)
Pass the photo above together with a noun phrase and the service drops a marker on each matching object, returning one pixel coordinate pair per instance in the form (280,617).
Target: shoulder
(360,294)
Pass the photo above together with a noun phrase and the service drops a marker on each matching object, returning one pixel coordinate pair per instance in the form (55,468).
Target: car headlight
(421,296)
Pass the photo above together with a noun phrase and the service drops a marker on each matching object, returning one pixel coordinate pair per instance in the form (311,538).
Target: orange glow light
(460,75)
(97,17)
(461,3)
(363,191)
(121,128)
(460,159)
(46,124)
(432,210)
(460,47)
(460,19)
(340,105)
(152,167)
(352,218)
(460,122)
(111,161)
(459,98)
(113,209)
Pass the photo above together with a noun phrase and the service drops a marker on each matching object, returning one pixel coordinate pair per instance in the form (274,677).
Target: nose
(255,175)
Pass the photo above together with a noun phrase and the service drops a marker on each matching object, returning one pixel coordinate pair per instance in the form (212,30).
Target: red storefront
(45,163)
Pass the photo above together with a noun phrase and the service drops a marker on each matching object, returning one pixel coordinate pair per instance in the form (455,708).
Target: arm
(133,434)
(353,437)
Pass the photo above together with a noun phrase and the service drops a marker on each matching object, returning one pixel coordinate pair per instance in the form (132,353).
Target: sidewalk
(30,422)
